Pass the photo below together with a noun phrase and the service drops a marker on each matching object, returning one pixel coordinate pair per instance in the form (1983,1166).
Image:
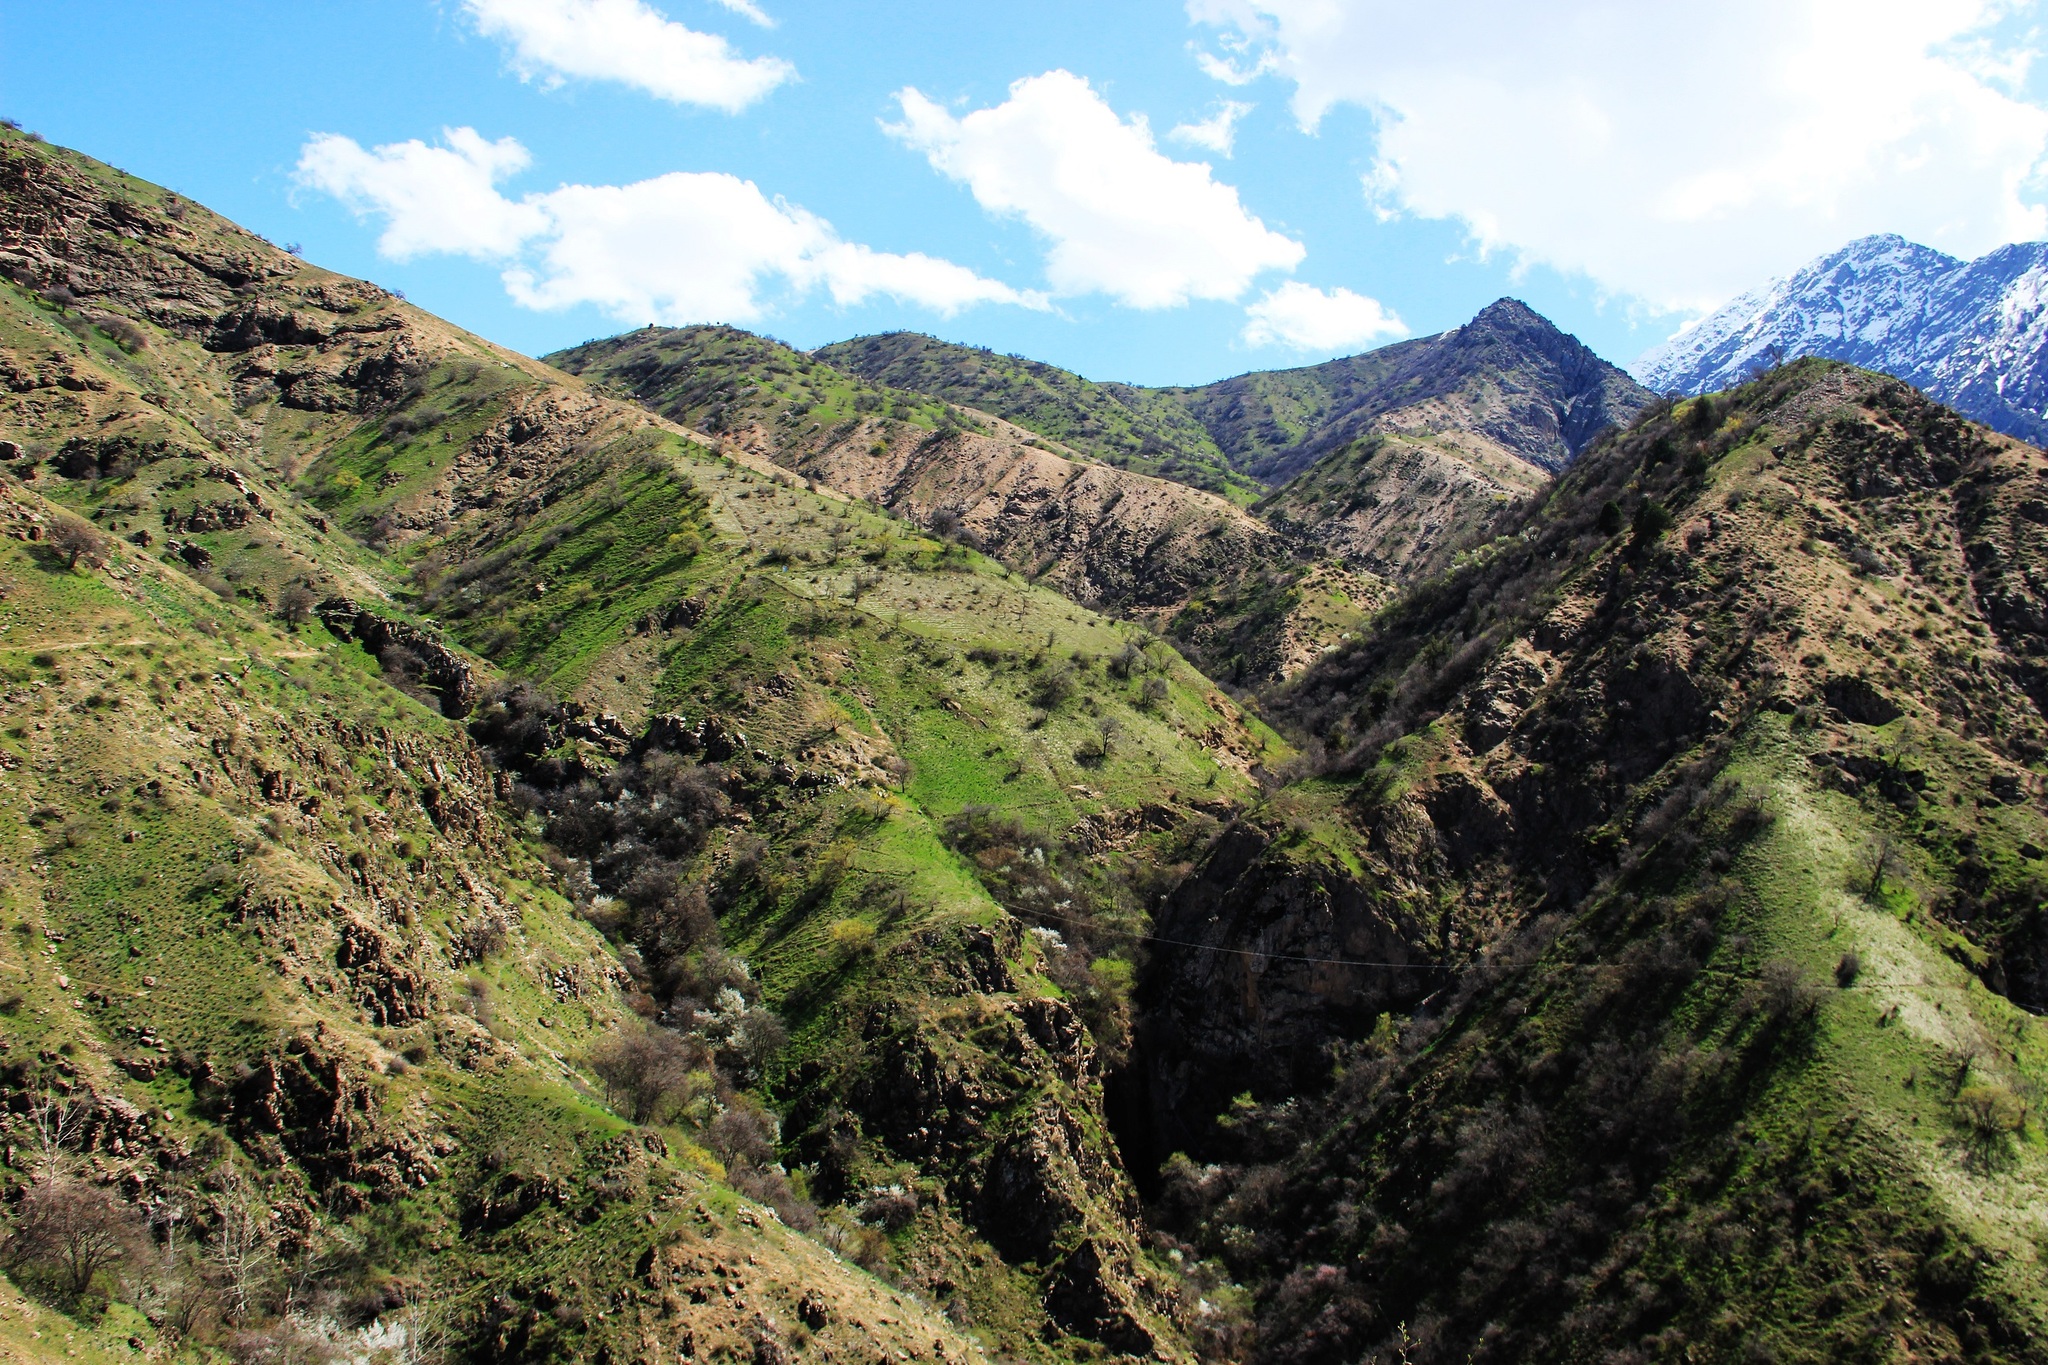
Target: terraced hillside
(1686,849)
(1142,547)
(489,874)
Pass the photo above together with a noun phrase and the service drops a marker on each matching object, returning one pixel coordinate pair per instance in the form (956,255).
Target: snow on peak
(1972,334)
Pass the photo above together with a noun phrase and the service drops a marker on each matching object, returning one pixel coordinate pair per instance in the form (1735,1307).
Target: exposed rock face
(1508,377)
(1097,534)
(390,990)
(441,667)
(1251,1007)
(1002,1096)
(1394,504)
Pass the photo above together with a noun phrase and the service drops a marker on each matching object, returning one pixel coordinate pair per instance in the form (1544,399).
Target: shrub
(78,543)
(1990,1110)
(71,1231)
(295,604)
(1053,685)
(1652,520)
(851,937)
(123,333)
(647,1072)
(1847,970)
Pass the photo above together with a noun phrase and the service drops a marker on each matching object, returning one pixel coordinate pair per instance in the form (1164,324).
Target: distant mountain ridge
(1509,377)
(1973,334)
(1143,430)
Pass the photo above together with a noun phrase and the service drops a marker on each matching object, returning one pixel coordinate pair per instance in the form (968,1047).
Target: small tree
(73,1231)
(78,543)
(295,604)
(1652,520)
(242,1249)
(59,1123)
(646,1071)
(851,937)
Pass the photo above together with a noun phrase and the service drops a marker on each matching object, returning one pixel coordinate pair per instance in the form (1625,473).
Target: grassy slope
(1668,1114)
(782,652)
(1130,427)
(543,526)
(1134,545)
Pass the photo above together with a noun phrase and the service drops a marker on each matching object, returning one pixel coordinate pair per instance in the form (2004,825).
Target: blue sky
(1619,166)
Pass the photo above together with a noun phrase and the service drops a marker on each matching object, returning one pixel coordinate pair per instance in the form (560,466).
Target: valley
(690,849)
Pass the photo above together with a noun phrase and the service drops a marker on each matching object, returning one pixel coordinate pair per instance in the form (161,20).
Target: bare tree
(242,1249)
(1882,858)
(72,1230)
(288,1341)
(58,1123)
(422,1329)
(78,543)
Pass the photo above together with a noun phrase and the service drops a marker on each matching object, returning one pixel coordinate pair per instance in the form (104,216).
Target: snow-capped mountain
(1973,334)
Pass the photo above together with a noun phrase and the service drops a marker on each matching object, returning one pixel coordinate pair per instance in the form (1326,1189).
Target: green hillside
(1701,809)
(653,860)
(1246,602)
(403,728)
(1125,425)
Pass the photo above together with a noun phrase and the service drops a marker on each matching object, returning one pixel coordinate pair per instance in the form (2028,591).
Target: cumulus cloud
(1676,152)
(1218,132)
(432,199)
(630,42)
(679,248)
(1310,319)
(1121,218)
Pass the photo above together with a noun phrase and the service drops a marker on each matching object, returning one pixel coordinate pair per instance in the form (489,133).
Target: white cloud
(630,42)
(680,248)
(1308,319)
(433,199)
(1121,218)
(747,9)
(1674,151)
(1218,132)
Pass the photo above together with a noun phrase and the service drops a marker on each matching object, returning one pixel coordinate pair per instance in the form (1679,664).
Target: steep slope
(1393,504)
(1970,333)
(282,974)
(1508,377)
(1123,542)
(1121,424)
(739,776)
(1655,969)
(1098,534)
(1380,459)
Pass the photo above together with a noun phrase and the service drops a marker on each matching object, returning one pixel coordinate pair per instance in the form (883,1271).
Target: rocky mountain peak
(1971,333)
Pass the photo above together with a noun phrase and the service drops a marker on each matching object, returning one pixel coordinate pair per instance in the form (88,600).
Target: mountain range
(687,849)
(1358,473)
(1973,334)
